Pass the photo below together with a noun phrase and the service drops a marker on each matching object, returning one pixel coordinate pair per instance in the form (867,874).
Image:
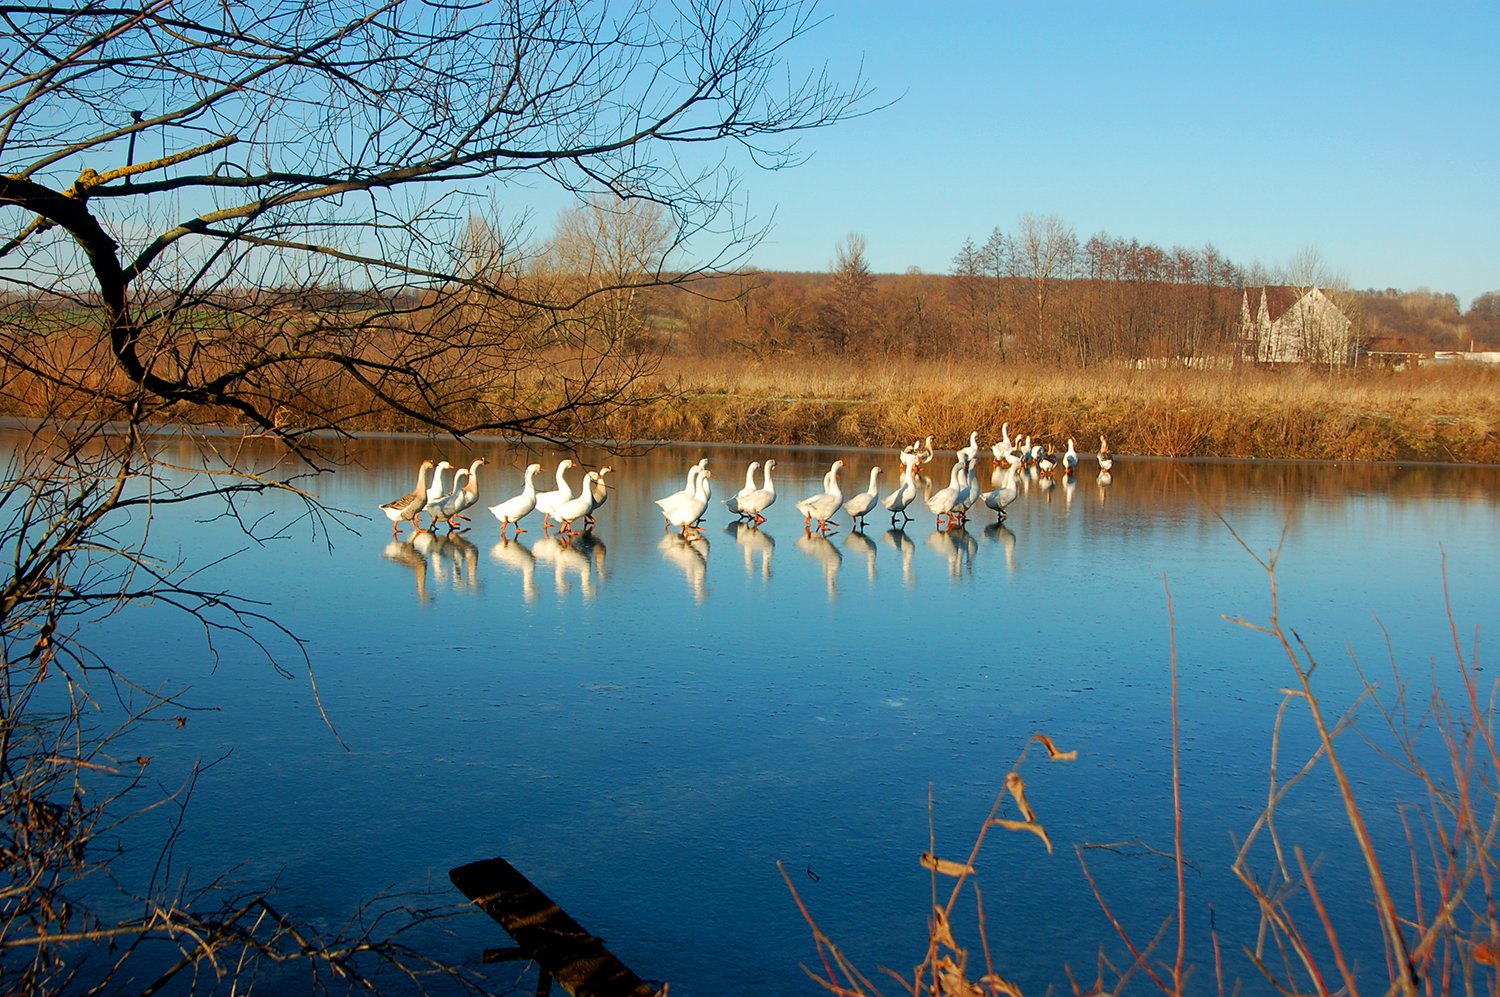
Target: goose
(518,507)
(825,505)
(405,508)
(917,454)
(901,496)
(970,453)
(755,504)
(970,494)
(732,503)
(462,498)
(1004,494)
(1070,459)
(600,491)
(576,507)
(1106,459)
(859,506)
(449,501)
(1005,450)
(436,492)
(690,486)
(1046,461)
(547,501)
(945,501)
(683,511)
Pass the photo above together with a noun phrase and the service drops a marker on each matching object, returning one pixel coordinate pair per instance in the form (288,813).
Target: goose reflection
(821,549)
(905,548)
(517,557)
(455,561)
(1103,481)
(691,557)
(568,562)
(958,546)
(1069,486)
(753,543)
(859,544)
(402,552)
(590,546)
(1006,538)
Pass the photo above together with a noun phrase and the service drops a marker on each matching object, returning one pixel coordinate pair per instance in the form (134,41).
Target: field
(1445,414)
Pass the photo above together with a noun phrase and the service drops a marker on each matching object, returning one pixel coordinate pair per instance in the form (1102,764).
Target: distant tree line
(1040,294)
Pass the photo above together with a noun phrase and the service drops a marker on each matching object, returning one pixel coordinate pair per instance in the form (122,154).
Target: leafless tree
(1045,249)
(291,217)
(851,288)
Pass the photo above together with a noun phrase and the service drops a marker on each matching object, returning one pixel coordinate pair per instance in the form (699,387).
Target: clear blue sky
(1367,131)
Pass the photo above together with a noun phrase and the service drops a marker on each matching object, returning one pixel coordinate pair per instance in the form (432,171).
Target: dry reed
(1437,415)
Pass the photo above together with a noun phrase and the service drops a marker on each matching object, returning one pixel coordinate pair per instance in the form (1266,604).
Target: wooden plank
(560,946)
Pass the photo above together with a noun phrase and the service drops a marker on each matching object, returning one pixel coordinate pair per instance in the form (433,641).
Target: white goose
(970,453)
(732,503)
(577,507)
(547,501)
(462,498)
(1005,450)
(1004,494)
(825,505)
(684,510)
(450,500)
(859,505)
(514,509)
(945,501)
(436,492)
(970,494)
(1069,461)
(917,454)
(755,504)
(901,496)
(405,508)
(600,491)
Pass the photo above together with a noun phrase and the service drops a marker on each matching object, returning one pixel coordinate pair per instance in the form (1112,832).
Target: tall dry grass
(1450,414)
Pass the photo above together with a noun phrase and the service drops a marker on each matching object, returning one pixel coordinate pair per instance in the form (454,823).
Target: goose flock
(442,500)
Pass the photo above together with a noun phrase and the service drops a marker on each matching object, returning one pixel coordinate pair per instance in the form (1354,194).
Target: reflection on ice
(692,557)
(905,548)
(567,562)
(958,546)
(821,550)
(1006,538)
(753,543)
(402,552)
(516,556)
(453,558)
(859,544)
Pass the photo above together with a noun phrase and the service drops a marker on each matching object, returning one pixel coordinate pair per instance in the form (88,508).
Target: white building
(1305,329)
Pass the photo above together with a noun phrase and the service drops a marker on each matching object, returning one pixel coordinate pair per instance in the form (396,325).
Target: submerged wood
(561,947)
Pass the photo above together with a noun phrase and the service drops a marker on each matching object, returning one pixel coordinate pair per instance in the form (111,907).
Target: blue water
(645,727)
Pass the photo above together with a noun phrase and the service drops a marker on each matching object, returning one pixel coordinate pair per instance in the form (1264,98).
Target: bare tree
(852,287)
(1045,249)
(282,217)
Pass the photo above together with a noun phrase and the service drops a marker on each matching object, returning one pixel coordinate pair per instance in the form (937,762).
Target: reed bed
(1448,415)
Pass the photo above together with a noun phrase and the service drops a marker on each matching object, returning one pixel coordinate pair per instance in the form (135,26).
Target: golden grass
(1444,415)
(1434,414)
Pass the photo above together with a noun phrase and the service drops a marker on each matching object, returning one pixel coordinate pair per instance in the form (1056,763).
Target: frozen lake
(645,727)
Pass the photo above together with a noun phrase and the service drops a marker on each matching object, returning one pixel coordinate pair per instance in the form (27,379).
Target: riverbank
(1448,415)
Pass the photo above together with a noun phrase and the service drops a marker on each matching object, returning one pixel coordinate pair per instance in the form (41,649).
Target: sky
(1366,132)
